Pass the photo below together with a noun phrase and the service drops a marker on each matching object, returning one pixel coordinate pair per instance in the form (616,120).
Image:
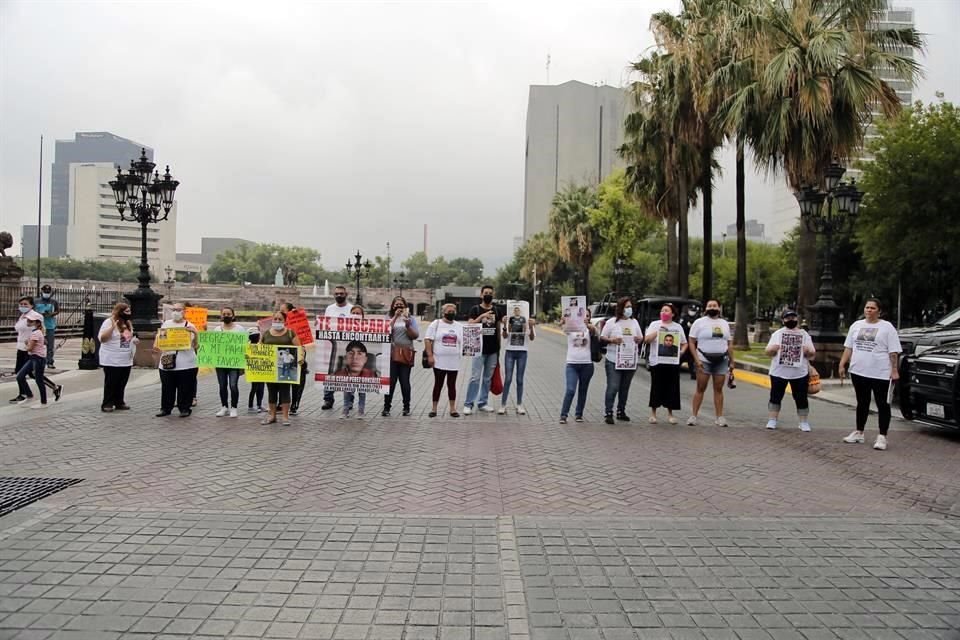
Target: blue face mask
(628,312)
(24,309)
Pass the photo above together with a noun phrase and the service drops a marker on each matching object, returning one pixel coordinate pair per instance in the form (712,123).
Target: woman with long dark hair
(278,393)
(117,343)
(403,330)
(664,373)
(621,334)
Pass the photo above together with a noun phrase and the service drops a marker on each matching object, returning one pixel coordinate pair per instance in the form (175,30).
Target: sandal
(454,415)
(268,421)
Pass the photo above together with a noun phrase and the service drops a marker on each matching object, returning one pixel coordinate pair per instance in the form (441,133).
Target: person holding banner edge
(339,309)
(178,367)
(278,393)
(404,330)
(228,379)
(355,365)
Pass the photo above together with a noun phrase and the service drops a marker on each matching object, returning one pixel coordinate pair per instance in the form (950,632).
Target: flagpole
(39,214)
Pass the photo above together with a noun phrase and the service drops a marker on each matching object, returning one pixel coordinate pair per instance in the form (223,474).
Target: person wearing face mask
(278,393)
(623,331)
(404,330)
(710,344)
(517,332)
(24,332)
(50,309)
(485,362)
(790,348)
(664,378)
(296,394)
(443,345)
(117,343)
(339,309)
(178,369)
(36,360)
(686,321)
(228,379)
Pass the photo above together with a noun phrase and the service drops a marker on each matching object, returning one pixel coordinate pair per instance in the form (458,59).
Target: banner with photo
(472,339)
(173,339)
(352,354)
(791,349)
(223,349)
(518,324)
(574,312)
(668,346)
(272,363)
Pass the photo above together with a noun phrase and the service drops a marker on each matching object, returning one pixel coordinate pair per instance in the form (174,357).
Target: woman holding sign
(444,348)
(790,349)
(116,356)
(404,330)
(623,333)
(278,393)
(668,343)
(228,379)
(176,342)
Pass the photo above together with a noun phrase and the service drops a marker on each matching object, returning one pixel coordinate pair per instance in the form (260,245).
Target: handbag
(596,353)
(714,358)
(403,355)
(813,383)
(496,383)
(168,361)
(425,361)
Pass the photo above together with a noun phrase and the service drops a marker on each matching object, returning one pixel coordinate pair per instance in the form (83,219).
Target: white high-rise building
(94,227)
(573,132)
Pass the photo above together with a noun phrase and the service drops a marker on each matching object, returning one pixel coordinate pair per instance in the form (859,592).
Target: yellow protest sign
(197,316)
(173,339)
(272,363)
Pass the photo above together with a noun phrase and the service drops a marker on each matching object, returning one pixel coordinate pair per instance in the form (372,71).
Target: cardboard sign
(224,349)
(297,321)
(272,363)
(517,324)
(791,349)
(197,316)
(574,312)
(173,339)
(472,339)
(626,355)
(668,346)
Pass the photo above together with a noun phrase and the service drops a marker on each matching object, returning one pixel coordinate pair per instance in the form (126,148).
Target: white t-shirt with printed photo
(447,344)
(626,328)
(871,344)
(115,351)
(712,335)
(788,364)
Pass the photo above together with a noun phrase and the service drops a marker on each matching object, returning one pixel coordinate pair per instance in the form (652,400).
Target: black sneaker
(107,409)
(406,411)
(623,417)
(17,399)
(163,414)
(293,411)
(186,414)
(57,393)
(609,419)
(385,413)
(327,405)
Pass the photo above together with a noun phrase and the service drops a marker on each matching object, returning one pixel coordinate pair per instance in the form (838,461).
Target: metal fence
(72,303)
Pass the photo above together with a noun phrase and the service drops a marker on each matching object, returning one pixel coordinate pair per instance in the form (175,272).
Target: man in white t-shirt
(338,309)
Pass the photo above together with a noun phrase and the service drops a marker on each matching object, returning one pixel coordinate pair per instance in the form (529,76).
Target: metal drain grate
(16,493)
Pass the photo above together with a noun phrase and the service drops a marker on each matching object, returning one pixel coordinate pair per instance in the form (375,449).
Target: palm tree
(815,85)
(576,238)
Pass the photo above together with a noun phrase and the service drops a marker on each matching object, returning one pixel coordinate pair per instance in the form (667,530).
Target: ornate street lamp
(825,213)
(359,270)
(149,198)
(400,281)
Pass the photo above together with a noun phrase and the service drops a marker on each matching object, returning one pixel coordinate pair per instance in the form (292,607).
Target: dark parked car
(929,389)
(918,340)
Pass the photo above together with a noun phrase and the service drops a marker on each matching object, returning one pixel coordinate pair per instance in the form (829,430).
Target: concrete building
(95,230)
(573,133)
(210,248)
(754,231)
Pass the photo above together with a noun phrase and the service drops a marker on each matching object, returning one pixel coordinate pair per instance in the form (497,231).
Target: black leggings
(278,393)
(399,372)
(879,388)
(438,377)
(798,387)
(256,393)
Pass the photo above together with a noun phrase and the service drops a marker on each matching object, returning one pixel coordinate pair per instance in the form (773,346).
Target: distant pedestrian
(665,376)
(624,334)
(403,330)
(178,369)
(355,361)
(790,348)
(36,361)
(872,350)
(256,388)
(49,307)
(710,344)
(228,378)
(339,309)
(517,332)
(444,348)
(485,362)
(117,344)
(583,350)
(278,393)
(296,394)
(24,331)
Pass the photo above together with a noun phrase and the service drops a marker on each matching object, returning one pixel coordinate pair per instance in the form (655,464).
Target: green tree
(71,269)
(258,263)
(577,240)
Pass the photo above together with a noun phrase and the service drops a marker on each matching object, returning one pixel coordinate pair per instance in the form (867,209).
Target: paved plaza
(480,527)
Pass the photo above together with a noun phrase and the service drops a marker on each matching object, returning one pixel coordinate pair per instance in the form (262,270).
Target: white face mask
(178,316)
(278,326)
(628,312)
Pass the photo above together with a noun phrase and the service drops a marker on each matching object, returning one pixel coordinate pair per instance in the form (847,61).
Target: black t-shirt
(491,328)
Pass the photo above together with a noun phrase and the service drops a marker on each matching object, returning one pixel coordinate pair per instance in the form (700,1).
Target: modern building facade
(573,132)
(198,263)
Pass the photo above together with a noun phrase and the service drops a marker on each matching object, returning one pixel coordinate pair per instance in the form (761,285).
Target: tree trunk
(740,339)
(706,187)
(673,264)
(806,269)
(683,239)
(586,282)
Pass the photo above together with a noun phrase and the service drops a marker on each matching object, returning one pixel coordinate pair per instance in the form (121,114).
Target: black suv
(918,340)
(929,389)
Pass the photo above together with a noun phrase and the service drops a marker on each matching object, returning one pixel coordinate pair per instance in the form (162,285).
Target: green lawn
(755,355)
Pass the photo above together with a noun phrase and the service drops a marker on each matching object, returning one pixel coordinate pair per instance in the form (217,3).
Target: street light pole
(359,269)
(400,281)
(146,193)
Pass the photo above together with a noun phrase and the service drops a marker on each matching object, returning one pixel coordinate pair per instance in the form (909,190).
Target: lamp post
(170,279)
(359,269)
(400,281)
(620,267)
(149,198)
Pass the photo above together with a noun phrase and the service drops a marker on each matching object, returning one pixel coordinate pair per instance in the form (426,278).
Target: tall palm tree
(815,84)
(577,240)
(538,259)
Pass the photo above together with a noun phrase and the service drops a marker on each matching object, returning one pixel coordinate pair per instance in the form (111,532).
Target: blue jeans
(511,359)
(348,401)
(578,379)
(227,379)
(618,386)
(33,366)
(483,366)
(51,345)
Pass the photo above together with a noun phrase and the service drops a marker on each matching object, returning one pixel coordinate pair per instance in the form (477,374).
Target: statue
(8,269)
(6,241)
(290,277)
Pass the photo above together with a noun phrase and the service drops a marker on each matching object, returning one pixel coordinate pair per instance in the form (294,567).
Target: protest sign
(668,346)
(197,316)
(272,363)
(352,354)
(297,321)
(626,355)
(472,339)
(791,349)
(173,339)
(224,349)
(574,312)
(263,324)
(518,324)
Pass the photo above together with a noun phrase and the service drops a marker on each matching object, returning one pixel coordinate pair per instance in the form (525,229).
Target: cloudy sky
(333,125)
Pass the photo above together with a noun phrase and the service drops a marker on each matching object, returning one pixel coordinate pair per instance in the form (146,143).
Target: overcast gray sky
(333,125)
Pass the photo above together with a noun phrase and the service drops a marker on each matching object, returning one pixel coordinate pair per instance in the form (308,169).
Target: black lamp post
(620,268)
(827,212)
(149,197)
(359,270)
(400,281)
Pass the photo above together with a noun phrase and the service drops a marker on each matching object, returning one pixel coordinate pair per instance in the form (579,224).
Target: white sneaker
(879,445)
(223,411)
(771,424)
(233,413)
(692,421)
(25,401)
(854,438)
(467,411)
(487,409)
(521,411)
(804,426)
(721,422)
(44,406)
(502,411)
(345,414)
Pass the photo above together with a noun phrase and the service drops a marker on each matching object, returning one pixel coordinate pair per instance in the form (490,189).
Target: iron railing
(72,303)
